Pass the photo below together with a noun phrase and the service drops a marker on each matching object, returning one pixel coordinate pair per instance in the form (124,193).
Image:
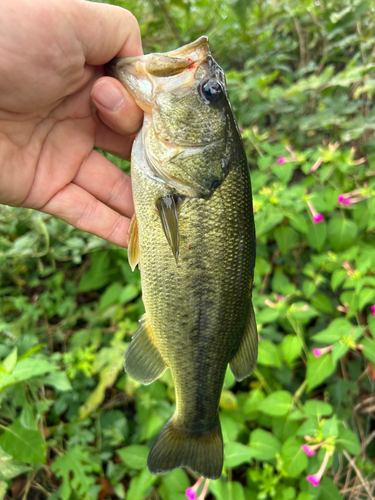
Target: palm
(49,126)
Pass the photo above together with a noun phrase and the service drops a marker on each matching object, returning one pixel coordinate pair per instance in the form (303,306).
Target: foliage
(74,426)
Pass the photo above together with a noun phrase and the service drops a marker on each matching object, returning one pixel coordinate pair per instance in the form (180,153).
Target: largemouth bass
(193,237)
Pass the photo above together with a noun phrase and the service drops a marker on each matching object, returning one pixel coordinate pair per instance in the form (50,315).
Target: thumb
(105,31)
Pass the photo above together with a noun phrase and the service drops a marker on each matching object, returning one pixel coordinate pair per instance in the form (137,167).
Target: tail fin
(202,452)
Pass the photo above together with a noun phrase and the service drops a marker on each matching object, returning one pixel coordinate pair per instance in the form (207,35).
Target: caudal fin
(202,452)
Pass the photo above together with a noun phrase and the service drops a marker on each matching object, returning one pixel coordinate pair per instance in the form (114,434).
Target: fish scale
(195,247)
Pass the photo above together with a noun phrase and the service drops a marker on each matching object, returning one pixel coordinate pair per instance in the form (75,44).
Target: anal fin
(243,362)
(143,361)
(133,243)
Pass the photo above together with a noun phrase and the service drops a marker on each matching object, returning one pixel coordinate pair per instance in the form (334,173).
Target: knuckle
(120,188)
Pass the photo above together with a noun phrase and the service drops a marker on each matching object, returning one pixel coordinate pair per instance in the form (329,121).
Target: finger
(107,183)
(114,143)
(82,210)
(116,107)
(106,31)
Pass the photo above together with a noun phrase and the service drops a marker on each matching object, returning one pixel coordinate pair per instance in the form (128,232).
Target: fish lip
(201,43)
(199,50)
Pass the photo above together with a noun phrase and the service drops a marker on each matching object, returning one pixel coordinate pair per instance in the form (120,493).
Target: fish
(193,237)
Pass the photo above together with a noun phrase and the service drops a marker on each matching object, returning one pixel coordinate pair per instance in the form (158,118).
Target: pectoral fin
(143,361)
(167,208)
(133,243)
(243,362)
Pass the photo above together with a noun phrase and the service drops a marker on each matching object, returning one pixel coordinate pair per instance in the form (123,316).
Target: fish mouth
(180,58)
(143,75)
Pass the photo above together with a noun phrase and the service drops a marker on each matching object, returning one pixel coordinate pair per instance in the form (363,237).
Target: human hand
(51,53)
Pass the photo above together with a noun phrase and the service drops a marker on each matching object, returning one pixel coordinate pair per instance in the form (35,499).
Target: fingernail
(107,95)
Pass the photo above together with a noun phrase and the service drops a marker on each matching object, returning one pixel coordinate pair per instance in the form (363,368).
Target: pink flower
(281,160)
(191,492)
(348,201)
(373,309)
(341,198)
(315,478)
(318,218)
(323,350)
(308,450)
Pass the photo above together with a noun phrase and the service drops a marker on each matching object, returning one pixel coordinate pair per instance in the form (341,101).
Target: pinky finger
(80,209)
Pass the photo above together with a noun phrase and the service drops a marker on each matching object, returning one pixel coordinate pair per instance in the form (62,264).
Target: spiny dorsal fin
(133,243)
(243,362)
(167,208)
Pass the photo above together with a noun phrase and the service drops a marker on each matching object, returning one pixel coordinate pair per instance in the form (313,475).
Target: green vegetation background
(73,426)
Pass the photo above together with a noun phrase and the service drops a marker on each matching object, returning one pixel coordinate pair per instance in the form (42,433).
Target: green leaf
(134,456)
(277,404)
(308,428)
(295,459)
(339,350)
(283,172)
(316,235)
(263,445)
(3,489)
(26,369)
(58,380)
(99,273)
(74,468)
(226,490)
(317,409)
(236,454)
(285,237)
(268,355)
(366,296)
(176,482)
(329,490)
(337,329)
(342,233)
(108,376)
(322,303)
(252,403)
(23,444)
(264,162)
(229,427)
(9,467)
(283,428)
(267,315)
(129,293)
(10,361)
(331,427)
(292,347)
(369,349)
(337,278)
(266,221)
(318,370)
(140,485)
(298,221)
(348,441)
(110,296)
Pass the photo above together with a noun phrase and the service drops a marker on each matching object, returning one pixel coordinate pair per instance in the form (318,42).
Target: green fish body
(193,238)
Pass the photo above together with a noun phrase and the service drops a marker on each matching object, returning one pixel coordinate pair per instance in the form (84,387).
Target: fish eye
(211,91)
